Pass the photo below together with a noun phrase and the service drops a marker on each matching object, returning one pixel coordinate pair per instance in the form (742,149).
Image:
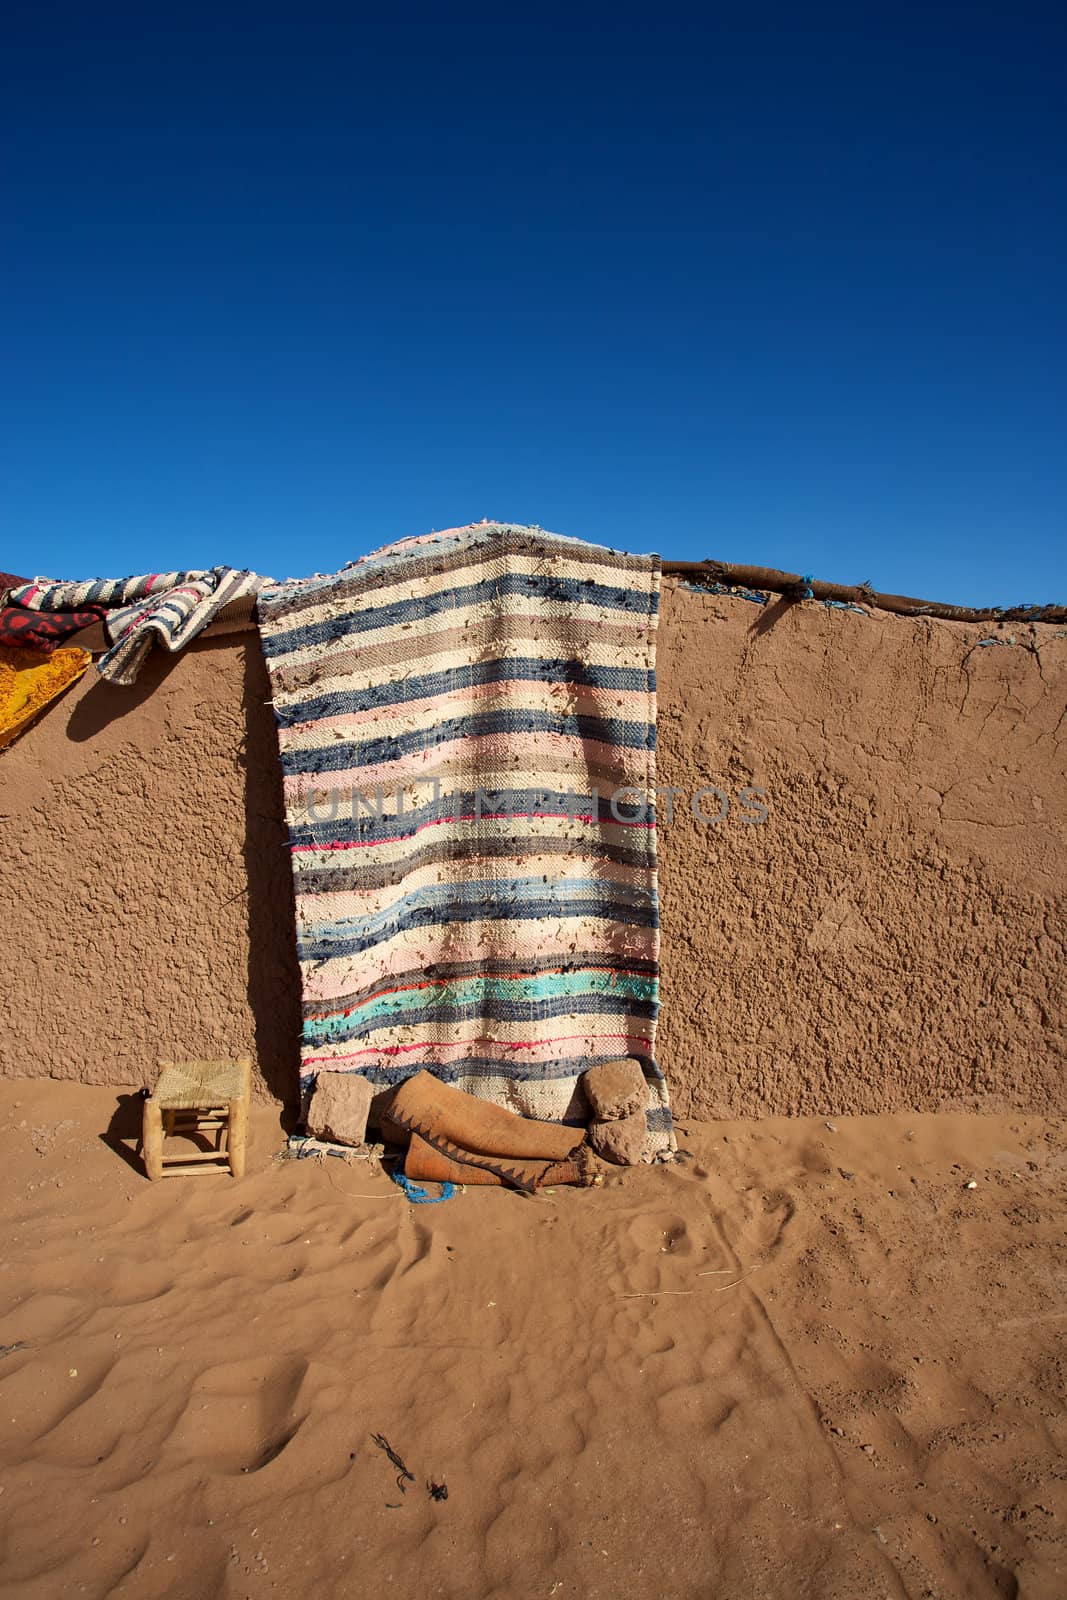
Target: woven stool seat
(205,1100)
(188,1085)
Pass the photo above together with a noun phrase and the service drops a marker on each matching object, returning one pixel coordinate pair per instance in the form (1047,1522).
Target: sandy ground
(807,1360)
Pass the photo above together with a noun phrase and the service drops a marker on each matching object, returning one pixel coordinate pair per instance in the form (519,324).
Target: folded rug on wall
(24,629)
(467,734)
(166,608)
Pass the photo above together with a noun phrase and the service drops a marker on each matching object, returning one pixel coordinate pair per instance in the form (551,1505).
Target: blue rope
(419,1197)
(754,595)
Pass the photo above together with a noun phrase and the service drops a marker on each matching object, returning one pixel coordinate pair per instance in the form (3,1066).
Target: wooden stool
(209,1097)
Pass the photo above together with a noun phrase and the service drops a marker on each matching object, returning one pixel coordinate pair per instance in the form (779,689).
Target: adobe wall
(889,938)
(145,879)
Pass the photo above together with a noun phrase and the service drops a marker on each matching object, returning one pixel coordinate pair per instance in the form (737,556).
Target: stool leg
(235,1144)
(152,1139)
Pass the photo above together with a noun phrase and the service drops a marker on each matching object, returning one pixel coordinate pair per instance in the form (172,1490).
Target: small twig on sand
(711,1272)
(653,1294)
(354,1194)
(403,1476)
(716,1272)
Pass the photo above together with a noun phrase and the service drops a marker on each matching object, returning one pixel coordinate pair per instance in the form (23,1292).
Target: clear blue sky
(775,284)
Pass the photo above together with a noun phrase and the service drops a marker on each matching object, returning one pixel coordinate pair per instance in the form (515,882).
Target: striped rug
(169,608)
(460,718)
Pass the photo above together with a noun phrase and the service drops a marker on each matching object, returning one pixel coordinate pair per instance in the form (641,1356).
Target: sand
(806,1360)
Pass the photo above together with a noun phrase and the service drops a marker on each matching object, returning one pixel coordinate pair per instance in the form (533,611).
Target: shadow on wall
(105,703)
(273,971)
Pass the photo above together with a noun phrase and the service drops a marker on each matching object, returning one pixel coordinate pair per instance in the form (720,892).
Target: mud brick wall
(890,937)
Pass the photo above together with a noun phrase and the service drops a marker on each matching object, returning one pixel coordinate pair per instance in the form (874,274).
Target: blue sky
(772,284)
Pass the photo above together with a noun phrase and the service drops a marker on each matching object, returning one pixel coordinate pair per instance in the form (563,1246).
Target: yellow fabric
(31,680)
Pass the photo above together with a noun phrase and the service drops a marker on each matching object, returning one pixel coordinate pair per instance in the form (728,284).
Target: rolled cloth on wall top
(168,608)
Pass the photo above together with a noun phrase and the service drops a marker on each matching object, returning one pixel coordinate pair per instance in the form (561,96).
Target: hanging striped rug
(467,734)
